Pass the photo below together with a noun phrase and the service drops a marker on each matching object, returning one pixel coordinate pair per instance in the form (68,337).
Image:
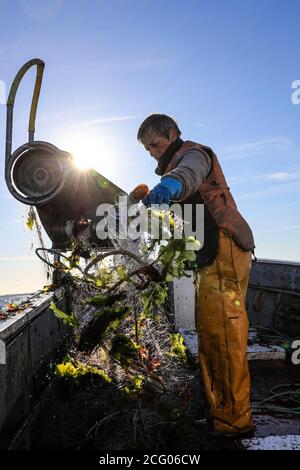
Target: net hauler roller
(41,175)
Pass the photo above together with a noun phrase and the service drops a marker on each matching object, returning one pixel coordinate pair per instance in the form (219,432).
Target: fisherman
(191,174)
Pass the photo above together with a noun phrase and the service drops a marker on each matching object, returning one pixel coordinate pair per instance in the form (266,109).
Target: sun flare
(86,155)
(87,152)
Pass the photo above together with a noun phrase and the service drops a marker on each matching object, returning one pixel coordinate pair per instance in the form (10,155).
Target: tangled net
(127,381)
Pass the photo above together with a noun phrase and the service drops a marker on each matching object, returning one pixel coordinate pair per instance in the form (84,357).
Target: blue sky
(223,69)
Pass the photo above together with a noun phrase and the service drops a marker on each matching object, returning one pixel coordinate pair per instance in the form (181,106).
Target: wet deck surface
(72,410)
(269,368)
(278,431)
(71,413)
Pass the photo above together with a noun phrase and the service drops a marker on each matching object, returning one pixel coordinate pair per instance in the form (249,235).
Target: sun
(86,155)
(88,152)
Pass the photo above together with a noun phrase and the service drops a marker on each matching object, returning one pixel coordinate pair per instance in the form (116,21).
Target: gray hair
(159,124)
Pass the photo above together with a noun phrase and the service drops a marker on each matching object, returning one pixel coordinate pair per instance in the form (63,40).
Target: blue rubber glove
(168,189)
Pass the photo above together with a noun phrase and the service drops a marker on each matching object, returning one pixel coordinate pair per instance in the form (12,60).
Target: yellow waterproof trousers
(222,327)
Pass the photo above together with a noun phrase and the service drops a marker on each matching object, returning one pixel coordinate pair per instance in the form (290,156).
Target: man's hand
(159,195)
(168,189)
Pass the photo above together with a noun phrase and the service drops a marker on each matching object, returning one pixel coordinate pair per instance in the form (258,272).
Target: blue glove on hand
(168,189)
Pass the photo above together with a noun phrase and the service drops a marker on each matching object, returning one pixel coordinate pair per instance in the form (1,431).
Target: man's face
(156,144)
